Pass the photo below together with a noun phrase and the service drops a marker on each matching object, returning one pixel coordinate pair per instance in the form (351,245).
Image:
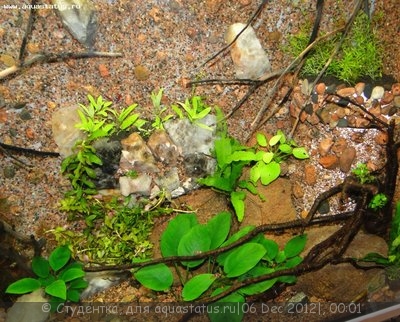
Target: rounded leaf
(194,242)
(57,289)
(300,153)
(71,274)
(243,259)
(59,257)
(295,246)
(267,157)
(272,248)
(270,172)
(237,199)
(275,139)
(218,228)
(40,266)
(24,285)
(197,286)
(261,139)
(155,277)
(175,230)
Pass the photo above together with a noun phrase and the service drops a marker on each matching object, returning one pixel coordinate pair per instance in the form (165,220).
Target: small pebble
(367,90)
(9,171)
(346,159)
(329,161)
(310,175)
(346,92)
(377,92)
(359,87)
(103,70)
(141,72)
(320,88)
(25,115)
(387,98)
(381,138)
(30,133)
(396,89)
(324,207)
(297,190)
(342,123)
(325,146)
(396,101)
(7,60)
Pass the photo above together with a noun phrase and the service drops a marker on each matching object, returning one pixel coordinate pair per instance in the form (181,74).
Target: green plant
(98,119)
(195,110)
(116,231)
(61,278)
(158,111)
(363,174)
(185,236)
(378,201)
(264,158)
(360,55)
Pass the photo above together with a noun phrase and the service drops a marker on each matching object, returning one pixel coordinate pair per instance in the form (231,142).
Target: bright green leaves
(218,228)
(264,158)
(24,285)
(59,257)
(58,277)
(196,241)
(195,110)
(243,259)
(295,246)
(197,286)
(155,277)
(176,229)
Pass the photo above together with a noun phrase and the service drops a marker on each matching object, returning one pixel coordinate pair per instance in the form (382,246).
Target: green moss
(360,54)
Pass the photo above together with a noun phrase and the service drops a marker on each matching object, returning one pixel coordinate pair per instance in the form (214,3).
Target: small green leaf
(295,246)
(243,259)
(292,262)
(78,283)
(300,153)
(40,266)
(203,113)
(24,285)
(155,277)
(261,139)
(197,286)
(255,172)
(57,289)
(267,157)
(260,287)
(59,257)
(242,156)
(129,121)
(237,199)
(275,139)
(285,148)
(272,248)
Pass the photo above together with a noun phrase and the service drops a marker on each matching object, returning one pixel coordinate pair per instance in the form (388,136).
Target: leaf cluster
(264,158)
(195,110)
(61,278)
(361,52)
(159,112)
(257,257)
(116,232)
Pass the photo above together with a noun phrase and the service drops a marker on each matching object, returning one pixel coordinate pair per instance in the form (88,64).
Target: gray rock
(191,138)
(79,17)
(249,57)
(136,155)
(140,185)
(377,92)
(169,181)
(163,148)
(29,308)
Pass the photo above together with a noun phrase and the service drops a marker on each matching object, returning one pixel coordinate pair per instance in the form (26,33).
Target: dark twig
(28,32)
(29,151)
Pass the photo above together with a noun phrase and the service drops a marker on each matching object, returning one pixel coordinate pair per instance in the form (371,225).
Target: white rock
(377,93)
(250,59)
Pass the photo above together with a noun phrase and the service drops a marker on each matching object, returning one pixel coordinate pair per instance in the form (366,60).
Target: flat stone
(249,58)
(329,161)
(381,138)
(359,87)
(346,92)
(396,101)
(140,185)
(339,146)
(346,159)
(320,88)
(396,89)
(343,282)
(297,190)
